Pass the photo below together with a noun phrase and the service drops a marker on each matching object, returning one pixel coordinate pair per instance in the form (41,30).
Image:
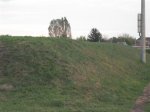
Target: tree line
(96,36)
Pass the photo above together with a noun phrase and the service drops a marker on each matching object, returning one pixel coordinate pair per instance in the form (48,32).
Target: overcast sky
(32,17)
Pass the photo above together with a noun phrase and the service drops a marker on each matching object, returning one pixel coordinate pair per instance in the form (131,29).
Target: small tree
(127,38)
(95,35)
(113,39)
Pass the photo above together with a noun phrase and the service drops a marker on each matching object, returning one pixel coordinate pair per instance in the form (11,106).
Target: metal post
(143,51)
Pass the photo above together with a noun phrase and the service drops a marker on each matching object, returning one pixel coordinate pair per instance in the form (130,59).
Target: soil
(142,100)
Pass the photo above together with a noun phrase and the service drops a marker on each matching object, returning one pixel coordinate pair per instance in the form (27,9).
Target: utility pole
(143,50)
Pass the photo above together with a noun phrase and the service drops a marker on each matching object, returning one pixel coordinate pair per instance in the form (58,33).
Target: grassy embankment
(62,75)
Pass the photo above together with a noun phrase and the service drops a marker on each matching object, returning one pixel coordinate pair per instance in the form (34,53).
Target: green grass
(63,75)
(147,107)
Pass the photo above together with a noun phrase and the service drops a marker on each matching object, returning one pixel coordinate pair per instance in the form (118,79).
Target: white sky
(32,17)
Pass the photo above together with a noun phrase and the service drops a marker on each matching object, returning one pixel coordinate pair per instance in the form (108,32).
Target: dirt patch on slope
(6,87)
(142,100)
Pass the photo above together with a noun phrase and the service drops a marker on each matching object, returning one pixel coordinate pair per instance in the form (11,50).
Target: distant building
(139,42)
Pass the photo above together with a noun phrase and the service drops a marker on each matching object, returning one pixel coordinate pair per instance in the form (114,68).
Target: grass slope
(62,75)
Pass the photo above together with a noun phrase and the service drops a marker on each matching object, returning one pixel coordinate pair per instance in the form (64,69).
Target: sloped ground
(61,75)
(142,100)
(1,55)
